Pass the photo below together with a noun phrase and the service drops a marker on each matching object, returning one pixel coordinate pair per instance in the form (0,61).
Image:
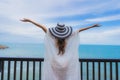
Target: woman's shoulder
(75,33)
(48,34)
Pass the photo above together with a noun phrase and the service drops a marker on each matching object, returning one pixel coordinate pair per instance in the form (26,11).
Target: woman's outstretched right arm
(38,25)
(83,29)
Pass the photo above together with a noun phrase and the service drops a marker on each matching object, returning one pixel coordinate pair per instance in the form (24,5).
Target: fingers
(21,19)
(97,25)
(25,20)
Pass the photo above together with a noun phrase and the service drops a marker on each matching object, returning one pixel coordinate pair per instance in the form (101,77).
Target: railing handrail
(21,58)
(98,60)
(42,59)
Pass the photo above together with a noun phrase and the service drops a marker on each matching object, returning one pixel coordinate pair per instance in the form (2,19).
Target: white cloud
(44,9)
(103,19)
(24,31)
(110,36)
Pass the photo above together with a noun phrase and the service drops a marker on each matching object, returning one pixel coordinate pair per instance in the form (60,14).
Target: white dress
(61,67)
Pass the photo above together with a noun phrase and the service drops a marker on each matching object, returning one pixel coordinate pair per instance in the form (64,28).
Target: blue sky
(75,13)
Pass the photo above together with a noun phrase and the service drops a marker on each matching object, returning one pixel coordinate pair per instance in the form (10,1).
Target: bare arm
(38,25)
(96,25)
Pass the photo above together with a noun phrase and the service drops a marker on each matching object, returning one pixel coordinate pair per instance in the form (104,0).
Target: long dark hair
(61,46)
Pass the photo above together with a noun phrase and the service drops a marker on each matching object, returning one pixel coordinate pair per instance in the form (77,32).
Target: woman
(61,61)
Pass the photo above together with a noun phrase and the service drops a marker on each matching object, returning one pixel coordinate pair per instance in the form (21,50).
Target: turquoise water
(99,51)
(38,50)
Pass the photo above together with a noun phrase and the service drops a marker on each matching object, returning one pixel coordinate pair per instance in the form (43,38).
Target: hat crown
(60,27)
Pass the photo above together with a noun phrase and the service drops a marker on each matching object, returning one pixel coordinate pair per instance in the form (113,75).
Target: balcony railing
(30,69)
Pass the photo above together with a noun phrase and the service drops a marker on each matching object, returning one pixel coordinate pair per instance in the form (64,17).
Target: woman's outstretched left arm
(95,25)
(38,25)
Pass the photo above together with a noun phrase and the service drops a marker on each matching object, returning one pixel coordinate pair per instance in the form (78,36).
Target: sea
(37,50)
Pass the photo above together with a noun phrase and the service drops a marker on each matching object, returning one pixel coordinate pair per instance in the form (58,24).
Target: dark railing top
(99,60)
(42,59)
(21,59)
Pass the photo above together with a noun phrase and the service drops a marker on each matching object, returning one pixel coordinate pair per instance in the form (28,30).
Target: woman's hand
(96,25)
(25,20)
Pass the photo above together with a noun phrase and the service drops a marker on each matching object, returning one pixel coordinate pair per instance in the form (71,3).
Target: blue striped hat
(61,31)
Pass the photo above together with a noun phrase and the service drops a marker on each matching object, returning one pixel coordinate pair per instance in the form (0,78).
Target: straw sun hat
(61,31)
